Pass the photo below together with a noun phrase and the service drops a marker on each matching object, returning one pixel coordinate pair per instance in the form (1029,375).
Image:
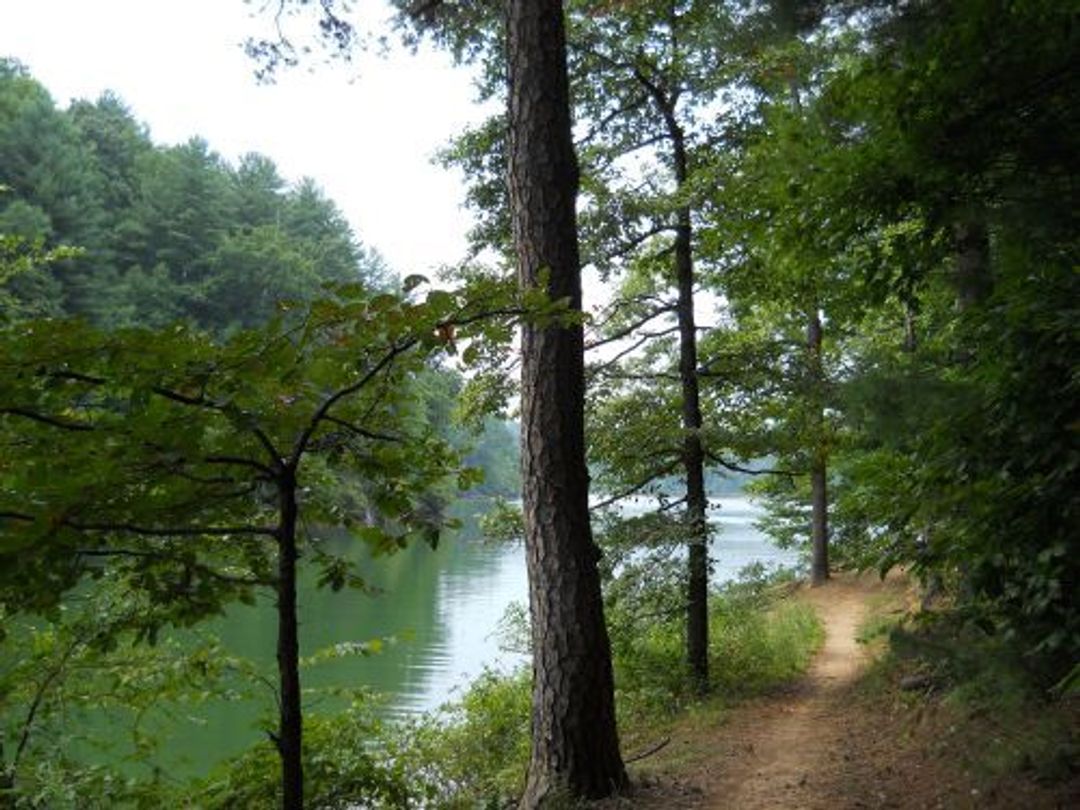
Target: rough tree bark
(575,749)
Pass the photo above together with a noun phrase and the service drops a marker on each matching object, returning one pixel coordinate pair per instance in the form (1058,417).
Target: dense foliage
(883,204)
(948,189)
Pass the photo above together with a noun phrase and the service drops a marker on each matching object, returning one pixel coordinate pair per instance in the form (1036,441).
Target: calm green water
(442,606)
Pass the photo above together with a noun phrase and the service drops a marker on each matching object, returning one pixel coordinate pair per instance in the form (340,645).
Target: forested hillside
(152,236)
(165,233)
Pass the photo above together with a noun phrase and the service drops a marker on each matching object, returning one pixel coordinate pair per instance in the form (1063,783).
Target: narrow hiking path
(790,749)
(788,752)
(826,742)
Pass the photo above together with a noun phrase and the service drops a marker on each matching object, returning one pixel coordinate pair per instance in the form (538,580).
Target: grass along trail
(831,740)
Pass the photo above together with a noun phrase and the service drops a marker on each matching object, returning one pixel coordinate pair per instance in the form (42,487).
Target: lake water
(441,609)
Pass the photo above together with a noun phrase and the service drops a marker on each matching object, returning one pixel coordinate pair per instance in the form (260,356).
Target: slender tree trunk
(697,604)
(972,273)
(290,723)
(693,452)
(575,747)
(819,569)
(788,16)
(911,336)
(819,499)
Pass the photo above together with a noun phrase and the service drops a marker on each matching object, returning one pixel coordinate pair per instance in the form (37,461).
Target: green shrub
(754,647)
(994,693)
(757,639)
(350,760)
(475,751)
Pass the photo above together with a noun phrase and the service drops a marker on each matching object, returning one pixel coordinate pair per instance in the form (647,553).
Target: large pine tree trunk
(575,749)
(290,728)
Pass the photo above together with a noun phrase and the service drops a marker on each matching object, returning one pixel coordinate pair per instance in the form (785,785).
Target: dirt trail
(826,743)
(789,752)
(794,749)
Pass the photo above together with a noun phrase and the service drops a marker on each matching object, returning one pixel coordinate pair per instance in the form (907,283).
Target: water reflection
(439,611)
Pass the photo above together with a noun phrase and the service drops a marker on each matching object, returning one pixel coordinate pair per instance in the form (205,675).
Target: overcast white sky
(365,134)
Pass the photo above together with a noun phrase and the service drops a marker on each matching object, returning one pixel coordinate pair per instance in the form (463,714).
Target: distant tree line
(168,234)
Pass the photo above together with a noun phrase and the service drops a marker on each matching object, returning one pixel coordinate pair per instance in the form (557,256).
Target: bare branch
(52,421)
(626,332)
(626,493)
(651,377)
(359,431)
(672,504)
(600,368)
(728,465)
(648,752)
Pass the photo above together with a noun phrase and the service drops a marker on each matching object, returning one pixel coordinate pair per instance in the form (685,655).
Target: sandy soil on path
(787,753)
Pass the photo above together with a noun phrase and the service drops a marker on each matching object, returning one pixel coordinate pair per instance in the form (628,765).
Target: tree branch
(201,401)
(624,333)
(53,421)
(672,504)
(202,569)
(626,493)
(659,375)
(637,240)
(601,125)
(240,461)
(727,465)
(39,696)
(172,531)
(323,410)
(359,431)
(600,368)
